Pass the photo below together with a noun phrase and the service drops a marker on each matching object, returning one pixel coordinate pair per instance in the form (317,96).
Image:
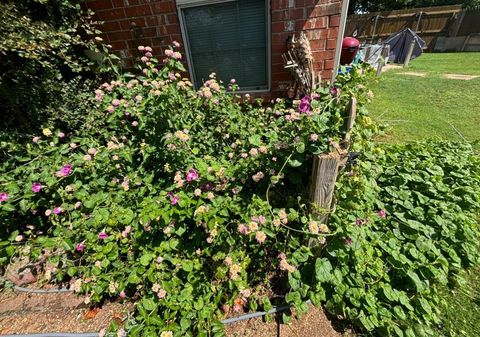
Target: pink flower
(176,44)
(262,220)
(173,198)
(242,229)
(382,214)
(61,135)
(36,139)
(48,212)
(148,49)
(66,170)
(110,108)
(93,151)
(102,235)
(258,176)
(169,53)
(144,59)
(4,197)
(304,106)
(192,175)
(148,54)
(78,204)
(36,187)
(134,123)
(260,237)
(313,137)
(116,102)
(335,92)
(177,55)
(141,48)
(315,95)
(57,210)
(359,222)
(122,294)
(80,247)
(233,81)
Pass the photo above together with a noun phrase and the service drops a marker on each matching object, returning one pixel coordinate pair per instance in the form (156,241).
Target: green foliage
(185,201)
(388,266)
(43,49)
(363,6)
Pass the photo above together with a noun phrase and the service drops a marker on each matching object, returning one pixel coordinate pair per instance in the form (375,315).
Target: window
(229,38)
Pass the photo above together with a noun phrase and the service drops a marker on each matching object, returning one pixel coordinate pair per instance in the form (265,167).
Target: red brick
(332,33)
(129,23)
(162,7)
(296,14)
(120,3)
(280,38)
(305,3)
(329,64)
(172,18)
(279,48)
(142,10)
(119,36)
(326,75)
(117,45)
(150,32)
(318,65)
(281,76)
(317,45)
(277,27)
(110,14)
(99,5)
(173,29)
(331,43)
(323,55)
(279,15)
(279,4)
(327,9)
(110,26)
(152,21)
(334,21)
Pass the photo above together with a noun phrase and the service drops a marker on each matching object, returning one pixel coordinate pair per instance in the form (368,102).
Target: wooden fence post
(325,172)
(383,59)
(324,177)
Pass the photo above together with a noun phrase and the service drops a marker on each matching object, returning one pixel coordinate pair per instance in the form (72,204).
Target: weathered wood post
(325,172)
(383,59)
(409,53)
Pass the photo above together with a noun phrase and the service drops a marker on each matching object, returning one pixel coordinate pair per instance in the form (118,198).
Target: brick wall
(130,23)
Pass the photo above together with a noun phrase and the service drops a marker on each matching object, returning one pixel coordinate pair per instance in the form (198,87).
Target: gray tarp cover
(400,42)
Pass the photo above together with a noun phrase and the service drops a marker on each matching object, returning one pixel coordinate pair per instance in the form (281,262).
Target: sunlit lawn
(431,106)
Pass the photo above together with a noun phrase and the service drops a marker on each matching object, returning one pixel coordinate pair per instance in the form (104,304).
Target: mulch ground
(22,313)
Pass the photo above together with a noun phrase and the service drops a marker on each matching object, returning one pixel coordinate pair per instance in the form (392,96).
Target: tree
(362,6)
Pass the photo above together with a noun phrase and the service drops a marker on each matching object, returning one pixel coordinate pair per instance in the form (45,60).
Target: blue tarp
(400,42)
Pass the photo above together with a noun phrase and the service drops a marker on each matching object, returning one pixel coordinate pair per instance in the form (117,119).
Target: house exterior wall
(131,23)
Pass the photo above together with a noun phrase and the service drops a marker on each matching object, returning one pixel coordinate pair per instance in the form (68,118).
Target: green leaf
(149,304)
(323,270)
(146,258)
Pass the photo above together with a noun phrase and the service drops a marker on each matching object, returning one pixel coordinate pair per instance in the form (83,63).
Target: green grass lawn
(430,106)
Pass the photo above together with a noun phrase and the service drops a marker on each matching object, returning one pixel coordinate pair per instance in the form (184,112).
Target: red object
(350,47)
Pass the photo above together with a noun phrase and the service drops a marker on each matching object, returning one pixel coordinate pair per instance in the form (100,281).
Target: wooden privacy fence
(429,23)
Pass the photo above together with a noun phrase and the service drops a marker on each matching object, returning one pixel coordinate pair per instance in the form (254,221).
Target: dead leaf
(91,313)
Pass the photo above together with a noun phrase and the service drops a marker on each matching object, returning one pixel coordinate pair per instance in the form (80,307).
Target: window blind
(229,39)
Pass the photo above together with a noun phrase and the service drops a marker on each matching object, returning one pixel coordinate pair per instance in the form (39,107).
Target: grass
(430,106)
(461,309)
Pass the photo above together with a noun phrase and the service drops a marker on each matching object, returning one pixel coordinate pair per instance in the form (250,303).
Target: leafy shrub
(190,202)
(43,47)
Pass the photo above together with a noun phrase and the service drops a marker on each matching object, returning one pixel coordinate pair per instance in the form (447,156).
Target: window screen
(229,39)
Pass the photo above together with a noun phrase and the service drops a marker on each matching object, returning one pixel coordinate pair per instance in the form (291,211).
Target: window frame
(183,4)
